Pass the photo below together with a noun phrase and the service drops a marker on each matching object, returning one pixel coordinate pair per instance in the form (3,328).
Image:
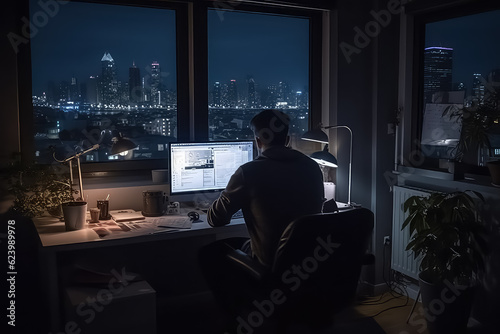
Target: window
(99,71)
(256,61)
(128,69)
(455,57)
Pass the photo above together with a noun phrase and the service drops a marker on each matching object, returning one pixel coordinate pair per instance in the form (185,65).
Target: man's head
(270,128)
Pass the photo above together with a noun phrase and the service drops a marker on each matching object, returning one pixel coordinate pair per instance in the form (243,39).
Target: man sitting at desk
(277,187)
(280,185)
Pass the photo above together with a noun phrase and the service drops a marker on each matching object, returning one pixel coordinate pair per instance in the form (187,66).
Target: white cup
(75,215)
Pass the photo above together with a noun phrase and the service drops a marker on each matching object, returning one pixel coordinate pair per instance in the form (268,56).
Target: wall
(367,102)
(9,126)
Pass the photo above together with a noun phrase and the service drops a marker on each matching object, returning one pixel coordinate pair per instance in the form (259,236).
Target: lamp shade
(325,158)
(121,145)
(316,135)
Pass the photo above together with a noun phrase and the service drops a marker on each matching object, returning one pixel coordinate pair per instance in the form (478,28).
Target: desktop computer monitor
(205,167)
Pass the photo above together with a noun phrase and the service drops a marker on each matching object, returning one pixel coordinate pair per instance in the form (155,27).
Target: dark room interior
(81,77)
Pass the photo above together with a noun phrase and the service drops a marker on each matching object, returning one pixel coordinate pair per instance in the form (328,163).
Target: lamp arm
(350,157)
(94,147)
(77,157)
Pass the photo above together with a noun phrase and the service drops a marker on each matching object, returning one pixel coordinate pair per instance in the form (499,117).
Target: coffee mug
(154,203)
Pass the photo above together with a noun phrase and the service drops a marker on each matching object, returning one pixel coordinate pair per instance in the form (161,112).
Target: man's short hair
(271,126)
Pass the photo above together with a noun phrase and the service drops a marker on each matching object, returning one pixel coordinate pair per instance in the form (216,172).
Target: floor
(391,311)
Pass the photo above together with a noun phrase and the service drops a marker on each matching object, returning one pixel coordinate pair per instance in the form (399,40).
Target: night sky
(74,41)
(268,47)
(475,43)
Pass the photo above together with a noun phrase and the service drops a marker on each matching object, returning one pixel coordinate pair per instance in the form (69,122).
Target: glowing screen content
(198,167)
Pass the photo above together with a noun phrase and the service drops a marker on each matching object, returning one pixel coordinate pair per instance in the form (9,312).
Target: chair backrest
(319,258)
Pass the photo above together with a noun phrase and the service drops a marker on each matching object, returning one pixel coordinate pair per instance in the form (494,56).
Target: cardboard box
(115,307)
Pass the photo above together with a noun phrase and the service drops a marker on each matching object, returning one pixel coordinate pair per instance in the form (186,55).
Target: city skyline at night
(268,48)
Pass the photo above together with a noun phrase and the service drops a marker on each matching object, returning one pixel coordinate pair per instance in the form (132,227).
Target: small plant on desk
(37,189)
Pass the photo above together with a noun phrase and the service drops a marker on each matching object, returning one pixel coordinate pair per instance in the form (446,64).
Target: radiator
(402,260)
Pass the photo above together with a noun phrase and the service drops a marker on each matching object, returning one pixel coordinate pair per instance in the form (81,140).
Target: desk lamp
(120,145)
(324,157)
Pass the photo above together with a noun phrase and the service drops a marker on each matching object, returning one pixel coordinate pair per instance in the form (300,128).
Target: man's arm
(229,201)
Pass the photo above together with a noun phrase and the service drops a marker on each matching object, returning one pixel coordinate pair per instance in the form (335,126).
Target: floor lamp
(324,157)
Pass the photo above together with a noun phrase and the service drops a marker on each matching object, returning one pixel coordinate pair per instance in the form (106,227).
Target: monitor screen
(200,167)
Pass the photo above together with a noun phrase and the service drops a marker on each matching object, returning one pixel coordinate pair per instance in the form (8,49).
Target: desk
(168,261)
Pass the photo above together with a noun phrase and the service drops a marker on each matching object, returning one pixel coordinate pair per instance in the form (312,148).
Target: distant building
(283,93)
(438,65)
(108,84)
(92,90)
(155,83)
(217,97)
(252,99)
(74,91)
(233,94)
(134,84)
(160,126)
(478,87)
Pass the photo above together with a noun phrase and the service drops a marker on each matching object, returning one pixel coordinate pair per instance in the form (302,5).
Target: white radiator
(402,260)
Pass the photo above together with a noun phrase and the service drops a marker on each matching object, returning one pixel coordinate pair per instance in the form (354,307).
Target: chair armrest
(245,263)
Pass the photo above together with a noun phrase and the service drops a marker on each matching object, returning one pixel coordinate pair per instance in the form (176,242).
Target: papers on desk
(171,221)
(122,224)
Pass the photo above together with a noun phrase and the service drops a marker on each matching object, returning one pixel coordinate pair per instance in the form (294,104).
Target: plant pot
(447,306)
(494,167)
(75,215)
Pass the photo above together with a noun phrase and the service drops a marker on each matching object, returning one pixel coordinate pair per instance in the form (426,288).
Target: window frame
(416,16)
(192,77)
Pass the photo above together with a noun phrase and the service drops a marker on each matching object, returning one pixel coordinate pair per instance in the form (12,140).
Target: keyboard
(237,215)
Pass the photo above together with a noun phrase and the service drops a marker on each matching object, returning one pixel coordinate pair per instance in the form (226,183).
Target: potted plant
(479,118)
(39,188)
(446,236)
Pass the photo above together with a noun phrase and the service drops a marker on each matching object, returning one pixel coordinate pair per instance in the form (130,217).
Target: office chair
(315,272)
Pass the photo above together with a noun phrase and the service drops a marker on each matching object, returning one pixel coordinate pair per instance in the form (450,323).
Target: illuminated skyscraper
(438,64)
(478,87)
(283,92)
(108,84)
(155,83)
(217,95)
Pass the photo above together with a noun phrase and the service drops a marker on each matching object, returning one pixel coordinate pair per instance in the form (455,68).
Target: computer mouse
(194,215)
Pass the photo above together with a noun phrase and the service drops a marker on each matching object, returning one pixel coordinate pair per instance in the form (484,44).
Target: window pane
(100,72)
(256,61)
(461,67)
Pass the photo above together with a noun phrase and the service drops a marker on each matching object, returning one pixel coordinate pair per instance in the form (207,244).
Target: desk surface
(52,231)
